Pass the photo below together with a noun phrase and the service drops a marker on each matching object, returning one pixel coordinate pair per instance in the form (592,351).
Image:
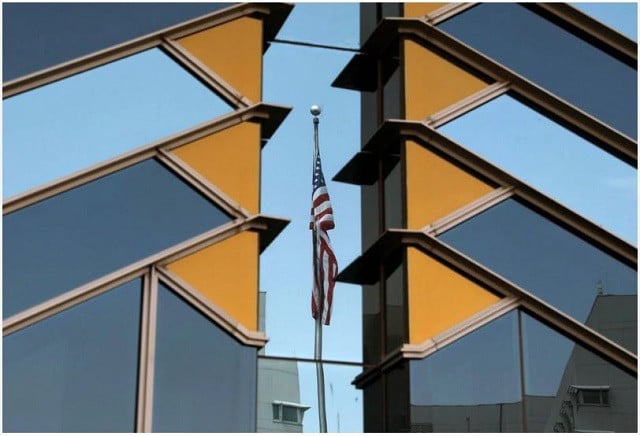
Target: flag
(325,266)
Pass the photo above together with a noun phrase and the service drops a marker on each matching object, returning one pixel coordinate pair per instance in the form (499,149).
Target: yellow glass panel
(226,273)
(433,83)
(234,51)
(416,10)
(229,159)
(438,297)
(435,187)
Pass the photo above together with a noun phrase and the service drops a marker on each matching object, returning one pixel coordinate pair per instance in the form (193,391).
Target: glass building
(494,289)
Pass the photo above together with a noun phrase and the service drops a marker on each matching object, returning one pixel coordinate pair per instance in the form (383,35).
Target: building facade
(477,283)
(499,294)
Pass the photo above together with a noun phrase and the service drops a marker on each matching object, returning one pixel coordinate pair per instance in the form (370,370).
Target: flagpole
(322,414)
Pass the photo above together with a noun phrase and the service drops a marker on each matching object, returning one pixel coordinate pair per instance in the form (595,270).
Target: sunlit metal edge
(213,312)
(259,112)
(275,12)
(202,185)
(30,316)
(447,11)
(467,104)
(594,28)
(206,75)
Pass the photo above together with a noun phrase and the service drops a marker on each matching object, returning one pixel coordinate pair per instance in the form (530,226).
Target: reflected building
(279,409)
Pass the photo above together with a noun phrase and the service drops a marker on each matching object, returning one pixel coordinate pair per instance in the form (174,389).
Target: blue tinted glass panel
(66,126)
(553,58)
(544,259)
(204,380)
(558,373)
(70,30)
(622,17)
(553,160)
(472,385)
(76,371)
(82,234)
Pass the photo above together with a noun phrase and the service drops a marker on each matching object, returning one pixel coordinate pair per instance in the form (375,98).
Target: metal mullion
(211,311)
(99,58)
(144,412)
(144,420)
(202,185)
(469,210)
(467,104)
(447,11)
(69,299)
(463,328)
(206,75)
(127,159)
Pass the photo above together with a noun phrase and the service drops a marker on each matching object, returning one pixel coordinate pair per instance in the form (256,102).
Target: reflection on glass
(63,29)
(80,235)
(553,160)
(472,384)
(555,59)
(544,259)
(77,370)
(397,399)
(204,380)
(623,17)
(294,384)
(371,324)
(373,406)
(571,389)
(66,126)
(395,315)
(393,196)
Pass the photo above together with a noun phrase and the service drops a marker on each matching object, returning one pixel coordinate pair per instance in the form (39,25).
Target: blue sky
(293,76)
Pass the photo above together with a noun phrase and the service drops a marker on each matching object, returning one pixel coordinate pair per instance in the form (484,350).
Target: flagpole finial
(315,110)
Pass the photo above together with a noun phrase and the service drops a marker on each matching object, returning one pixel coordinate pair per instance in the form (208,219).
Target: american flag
(325,266)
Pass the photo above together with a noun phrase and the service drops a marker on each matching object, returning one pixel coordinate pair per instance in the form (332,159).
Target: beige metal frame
(467,104)
(147,352)
(429,36)
(266,225)
(514,297)
(263,113)
(608,138)
(272,14)
(206,75)
(391,133)
(210,310)
(447,11)
(469,210)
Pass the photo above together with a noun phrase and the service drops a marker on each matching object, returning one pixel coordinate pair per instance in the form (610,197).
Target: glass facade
(77,122)
(76,371)
(553,160)
(87,232)
(582,74)
(203,378)
(173,327)
(543,258)
(523,377)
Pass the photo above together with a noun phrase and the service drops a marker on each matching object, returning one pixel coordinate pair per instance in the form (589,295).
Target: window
(590,395)
(288,412)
